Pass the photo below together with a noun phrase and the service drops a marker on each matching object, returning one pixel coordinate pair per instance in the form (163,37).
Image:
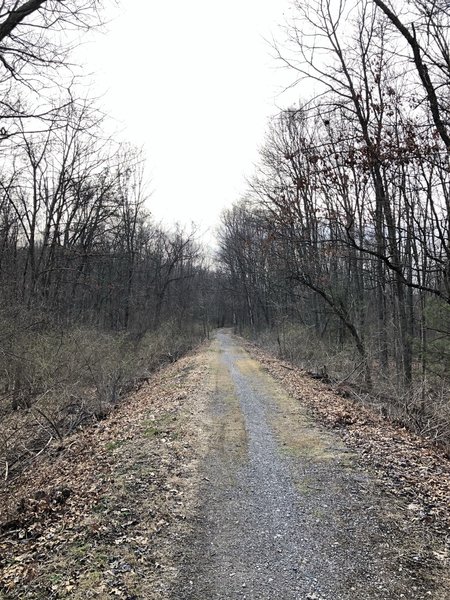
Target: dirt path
(211,482)
(285,510)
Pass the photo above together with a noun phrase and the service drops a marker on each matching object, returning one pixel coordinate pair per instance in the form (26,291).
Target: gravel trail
(285,511)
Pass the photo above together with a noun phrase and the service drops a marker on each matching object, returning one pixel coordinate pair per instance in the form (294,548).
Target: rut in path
(286,513)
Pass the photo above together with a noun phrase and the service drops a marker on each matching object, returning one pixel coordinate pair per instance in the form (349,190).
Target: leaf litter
(100,515)
(407,465)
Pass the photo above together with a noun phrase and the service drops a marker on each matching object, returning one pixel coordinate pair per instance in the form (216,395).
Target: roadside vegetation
(338,256)
(94,295)
(103,516)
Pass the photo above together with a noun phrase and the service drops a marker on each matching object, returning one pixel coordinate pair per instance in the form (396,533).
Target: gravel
(286,526)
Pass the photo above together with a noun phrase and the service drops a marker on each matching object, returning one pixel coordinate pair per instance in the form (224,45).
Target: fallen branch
(44,447)
(286,367)
(347,377)
(50,422)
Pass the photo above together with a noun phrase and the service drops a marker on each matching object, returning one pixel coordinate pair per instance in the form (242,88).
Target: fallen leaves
(95,518)
(102,517)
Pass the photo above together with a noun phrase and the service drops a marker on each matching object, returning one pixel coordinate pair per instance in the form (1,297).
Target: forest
(337,256)
(94,294)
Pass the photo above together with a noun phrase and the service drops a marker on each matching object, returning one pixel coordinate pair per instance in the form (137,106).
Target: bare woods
(339,255)
(93,293)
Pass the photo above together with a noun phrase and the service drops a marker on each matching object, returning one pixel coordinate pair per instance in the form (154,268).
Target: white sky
(194,83)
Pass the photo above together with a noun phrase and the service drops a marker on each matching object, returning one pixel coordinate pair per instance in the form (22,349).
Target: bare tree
(349,209)
(426,35)
(35,47)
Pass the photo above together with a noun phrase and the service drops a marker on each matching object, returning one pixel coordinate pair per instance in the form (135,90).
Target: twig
(49,421)
(350,374)
(286,367)
(9,533)
(44,447)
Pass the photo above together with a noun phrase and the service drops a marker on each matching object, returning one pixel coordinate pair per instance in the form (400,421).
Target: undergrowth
(55,379)
(424,407)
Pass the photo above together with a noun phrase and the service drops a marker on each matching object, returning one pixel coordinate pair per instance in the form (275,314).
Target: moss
(161,426)
(111,446)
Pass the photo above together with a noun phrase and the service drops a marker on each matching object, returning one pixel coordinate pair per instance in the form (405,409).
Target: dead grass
(405,463)
(102,515)
(292,424)
(424,408)
(55,380)
(227,429)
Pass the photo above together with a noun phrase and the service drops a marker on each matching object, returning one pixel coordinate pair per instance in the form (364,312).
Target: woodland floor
(231,475)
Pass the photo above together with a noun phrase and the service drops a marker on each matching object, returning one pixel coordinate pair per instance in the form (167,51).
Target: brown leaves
(92,518)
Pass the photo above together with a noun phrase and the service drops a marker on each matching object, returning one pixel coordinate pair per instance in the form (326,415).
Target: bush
(424,407)
(56,379)
(304,347)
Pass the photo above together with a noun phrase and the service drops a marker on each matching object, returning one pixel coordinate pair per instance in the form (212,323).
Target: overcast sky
(194,83)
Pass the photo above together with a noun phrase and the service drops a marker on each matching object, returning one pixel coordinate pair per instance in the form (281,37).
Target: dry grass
(54,380)
(424,408)
(406,463)
(293,426)
(227,432)
(132,480)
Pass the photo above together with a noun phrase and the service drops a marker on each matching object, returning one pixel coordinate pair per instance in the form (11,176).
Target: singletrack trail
(285,511)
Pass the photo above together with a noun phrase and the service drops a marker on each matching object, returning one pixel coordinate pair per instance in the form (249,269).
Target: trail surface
(211,482)
(285,510)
